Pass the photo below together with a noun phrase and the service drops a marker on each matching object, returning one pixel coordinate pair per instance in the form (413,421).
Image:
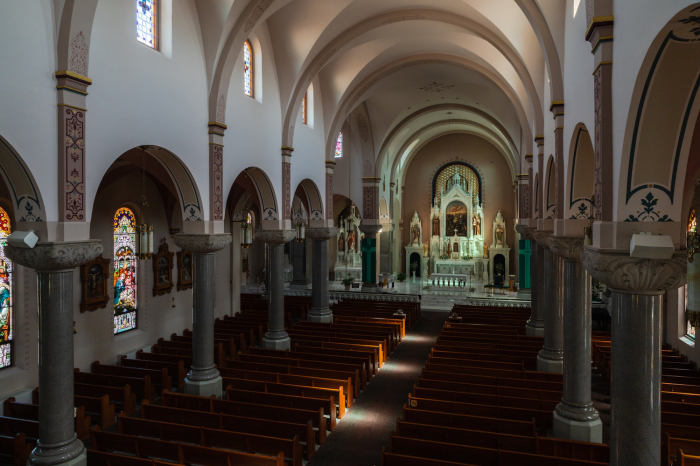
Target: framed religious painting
(162,270)
(94,276)
(184,270)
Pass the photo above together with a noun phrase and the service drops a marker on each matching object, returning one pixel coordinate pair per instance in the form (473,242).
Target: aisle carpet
(359,437)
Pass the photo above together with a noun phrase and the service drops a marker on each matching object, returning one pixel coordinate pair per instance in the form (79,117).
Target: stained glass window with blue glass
(248,68)
(124,270)
(146,11)
(339,146)
(6,307)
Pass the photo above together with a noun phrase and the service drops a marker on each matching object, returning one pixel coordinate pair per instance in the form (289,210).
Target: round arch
(23,191)
(311,197)
(581,168)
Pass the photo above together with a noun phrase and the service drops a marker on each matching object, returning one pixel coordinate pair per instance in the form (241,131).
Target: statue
(351,241)
(425,249)
(341,244)
(415,233)
(476,223)
(449,249)
(486,251)
(456,248)
(436,226)
(499,235)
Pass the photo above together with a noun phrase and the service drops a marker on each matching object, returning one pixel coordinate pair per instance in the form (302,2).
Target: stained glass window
(248,68)
(339,145)
(6,309)
(303,110)
(124,270)
(146,11)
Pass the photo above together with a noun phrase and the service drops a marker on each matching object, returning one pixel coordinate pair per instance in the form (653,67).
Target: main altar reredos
(455,251)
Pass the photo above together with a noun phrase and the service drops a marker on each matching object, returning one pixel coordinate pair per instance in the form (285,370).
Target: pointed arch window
(147,23)
(248,68)
(124,271)
(692,226)
(6,295)
(339,146)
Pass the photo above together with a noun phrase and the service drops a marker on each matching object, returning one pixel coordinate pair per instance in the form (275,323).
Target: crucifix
(455,232)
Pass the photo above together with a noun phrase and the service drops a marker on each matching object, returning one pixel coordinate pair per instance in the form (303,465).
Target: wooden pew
(158,376)
(499,381)
(214,405)
(186,359)
(332,335)
(686,460)
(310,354)
(185,349)
(121,395)
(12,426)
(98,406)
(288,401)
(247,442)
(490,390)
(489,400)
(670,446)
(182,453)
(294,390)
(230,342)
(176,368)
(15,448)
(139,384)
(231,423)
(463,421)
(343,344)
(30,412)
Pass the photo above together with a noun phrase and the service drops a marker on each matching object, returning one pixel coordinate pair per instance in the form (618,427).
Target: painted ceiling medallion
(437,87)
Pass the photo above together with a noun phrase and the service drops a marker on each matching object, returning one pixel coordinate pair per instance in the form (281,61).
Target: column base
(550,365)
(281,344)
(369,287)
(590,431)
(54,454)
(533,330)
(204,388)
(524,293)
(80,460)
(323,318)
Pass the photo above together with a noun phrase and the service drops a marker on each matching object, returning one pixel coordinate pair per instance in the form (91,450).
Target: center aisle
(358,439)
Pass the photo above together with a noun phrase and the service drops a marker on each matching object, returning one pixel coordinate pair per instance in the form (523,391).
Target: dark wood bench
(15,448)
(141,385)
(177,369)
(30,412)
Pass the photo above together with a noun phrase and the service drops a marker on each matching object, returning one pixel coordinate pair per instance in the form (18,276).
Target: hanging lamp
(301,231)
(145,230)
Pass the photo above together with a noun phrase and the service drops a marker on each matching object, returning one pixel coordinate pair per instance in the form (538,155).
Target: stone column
(276,336)
(575,418)
(320,312)
(536,326)
(203,377)
(524,292)
(637,287)
(298,252)
(551,356)
(54,263)
(369,257)
(236,267)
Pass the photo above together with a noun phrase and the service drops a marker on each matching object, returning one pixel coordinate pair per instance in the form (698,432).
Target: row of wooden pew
(479,400)
(279,405)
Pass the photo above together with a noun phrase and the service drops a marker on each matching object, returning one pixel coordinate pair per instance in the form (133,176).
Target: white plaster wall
(578,80)
(139,96)
(28,93)
(254,128)
(637,23)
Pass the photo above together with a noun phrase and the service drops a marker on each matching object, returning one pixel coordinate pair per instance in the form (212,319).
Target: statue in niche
(415,234)
(425,249)
(341,244)
(351,241)
(486,250)
(499,235)
(456,248)
(436,226)
(449,249)
(476,225)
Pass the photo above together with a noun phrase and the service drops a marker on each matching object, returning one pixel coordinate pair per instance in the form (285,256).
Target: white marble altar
(349,259)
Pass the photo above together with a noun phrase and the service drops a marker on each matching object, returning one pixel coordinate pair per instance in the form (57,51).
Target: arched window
(303,110)
(339,146)
(146,22)
(248,68)
(692,226)
(124,270)
(6,309)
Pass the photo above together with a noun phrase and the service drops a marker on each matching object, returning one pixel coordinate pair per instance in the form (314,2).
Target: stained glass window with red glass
(6,298)
(339,146)
(124,270)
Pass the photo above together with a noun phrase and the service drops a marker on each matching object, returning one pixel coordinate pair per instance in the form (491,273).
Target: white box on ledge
(647,246)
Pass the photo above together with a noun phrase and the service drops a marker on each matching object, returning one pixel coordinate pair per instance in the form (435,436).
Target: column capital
(55,256)
(202,244)
(633,275)
(542,237)
(321,233)
(524,231)
(568,247)
(276,236)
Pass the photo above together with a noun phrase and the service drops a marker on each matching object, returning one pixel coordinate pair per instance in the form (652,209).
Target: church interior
(349,232)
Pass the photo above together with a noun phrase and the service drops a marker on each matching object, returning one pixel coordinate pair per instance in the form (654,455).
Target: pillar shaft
(575,417)
(550,358)
(57,440)
(535,326)
(276,336)
(298,253)
(635,429)
(236,267)
(320,312)
(203,295)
